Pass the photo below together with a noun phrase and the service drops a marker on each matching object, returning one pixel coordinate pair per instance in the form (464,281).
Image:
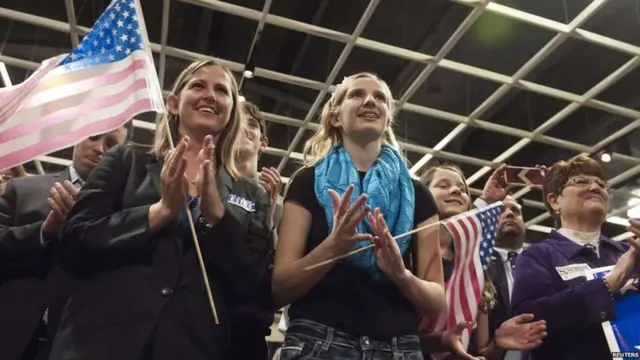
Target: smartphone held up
(523,176)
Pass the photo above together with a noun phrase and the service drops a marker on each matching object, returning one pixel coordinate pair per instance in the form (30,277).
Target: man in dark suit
(33,290)
(508,245)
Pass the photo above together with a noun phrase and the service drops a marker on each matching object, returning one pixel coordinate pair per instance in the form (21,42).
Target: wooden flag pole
(332,260)
(194,235)
(396,238)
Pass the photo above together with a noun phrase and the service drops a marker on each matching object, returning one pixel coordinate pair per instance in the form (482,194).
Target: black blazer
(500,312)
(129,279)
(29,280)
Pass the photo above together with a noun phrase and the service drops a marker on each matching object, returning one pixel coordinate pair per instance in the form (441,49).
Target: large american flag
(103,83)
(473,235)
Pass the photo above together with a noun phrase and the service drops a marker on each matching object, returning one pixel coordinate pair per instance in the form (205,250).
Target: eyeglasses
(585,181)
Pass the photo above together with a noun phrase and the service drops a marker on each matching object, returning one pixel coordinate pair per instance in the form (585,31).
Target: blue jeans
(309,340)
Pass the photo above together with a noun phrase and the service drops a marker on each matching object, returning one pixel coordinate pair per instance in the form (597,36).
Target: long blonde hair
(226,149)
(488,299)
(328,135)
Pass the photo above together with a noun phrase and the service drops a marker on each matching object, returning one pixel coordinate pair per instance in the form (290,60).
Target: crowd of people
(98,261)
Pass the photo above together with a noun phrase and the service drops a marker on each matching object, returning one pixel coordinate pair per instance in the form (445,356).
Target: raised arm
(426,291)
(98,233)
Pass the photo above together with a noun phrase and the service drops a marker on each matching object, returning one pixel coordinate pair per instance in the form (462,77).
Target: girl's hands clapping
(346,218)
(388,256)
(175,183)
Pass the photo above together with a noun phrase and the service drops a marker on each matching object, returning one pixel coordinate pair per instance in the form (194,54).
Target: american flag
(103,83)
(473,235)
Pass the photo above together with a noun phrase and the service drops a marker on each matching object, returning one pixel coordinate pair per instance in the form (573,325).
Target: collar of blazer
(223,179)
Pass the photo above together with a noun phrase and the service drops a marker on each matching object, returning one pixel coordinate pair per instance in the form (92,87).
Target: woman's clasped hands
(175,183)
(345,235)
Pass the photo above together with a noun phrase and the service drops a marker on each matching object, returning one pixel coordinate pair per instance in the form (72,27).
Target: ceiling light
(248,70)
(605,157)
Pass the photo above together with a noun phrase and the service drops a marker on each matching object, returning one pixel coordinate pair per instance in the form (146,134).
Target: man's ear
(172,104)
(265,143)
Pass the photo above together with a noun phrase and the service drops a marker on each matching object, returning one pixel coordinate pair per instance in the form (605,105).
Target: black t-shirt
(348,298)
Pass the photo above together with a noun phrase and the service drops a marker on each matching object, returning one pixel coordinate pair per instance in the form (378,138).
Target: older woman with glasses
(550,282)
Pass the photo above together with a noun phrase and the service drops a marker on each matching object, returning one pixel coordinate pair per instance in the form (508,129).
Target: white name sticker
(248,205)
(572,271)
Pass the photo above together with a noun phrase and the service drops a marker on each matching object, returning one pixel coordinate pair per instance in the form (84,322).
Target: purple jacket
(547,286)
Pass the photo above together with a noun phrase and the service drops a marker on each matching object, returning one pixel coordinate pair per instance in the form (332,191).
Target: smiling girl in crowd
(354,178)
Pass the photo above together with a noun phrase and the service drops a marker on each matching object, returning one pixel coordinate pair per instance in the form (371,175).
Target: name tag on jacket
(248,205)
(569,272)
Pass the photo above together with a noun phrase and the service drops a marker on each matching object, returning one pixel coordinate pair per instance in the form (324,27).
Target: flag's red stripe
(26,154)
(74,107)
(96,76)
(457,275)
(476,283)
(472,238)
(15,99)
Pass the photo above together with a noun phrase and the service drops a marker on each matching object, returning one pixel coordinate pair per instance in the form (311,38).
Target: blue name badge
(248,205)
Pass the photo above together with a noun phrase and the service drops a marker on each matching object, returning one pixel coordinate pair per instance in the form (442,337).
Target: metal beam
(527,68)
(332,75)
(265,11)
(164,34)
(303,49)
(71,17)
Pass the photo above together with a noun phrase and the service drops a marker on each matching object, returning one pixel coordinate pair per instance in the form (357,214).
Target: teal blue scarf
(388,186)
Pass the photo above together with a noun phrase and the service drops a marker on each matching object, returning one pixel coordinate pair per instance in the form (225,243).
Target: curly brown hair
(559,173)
